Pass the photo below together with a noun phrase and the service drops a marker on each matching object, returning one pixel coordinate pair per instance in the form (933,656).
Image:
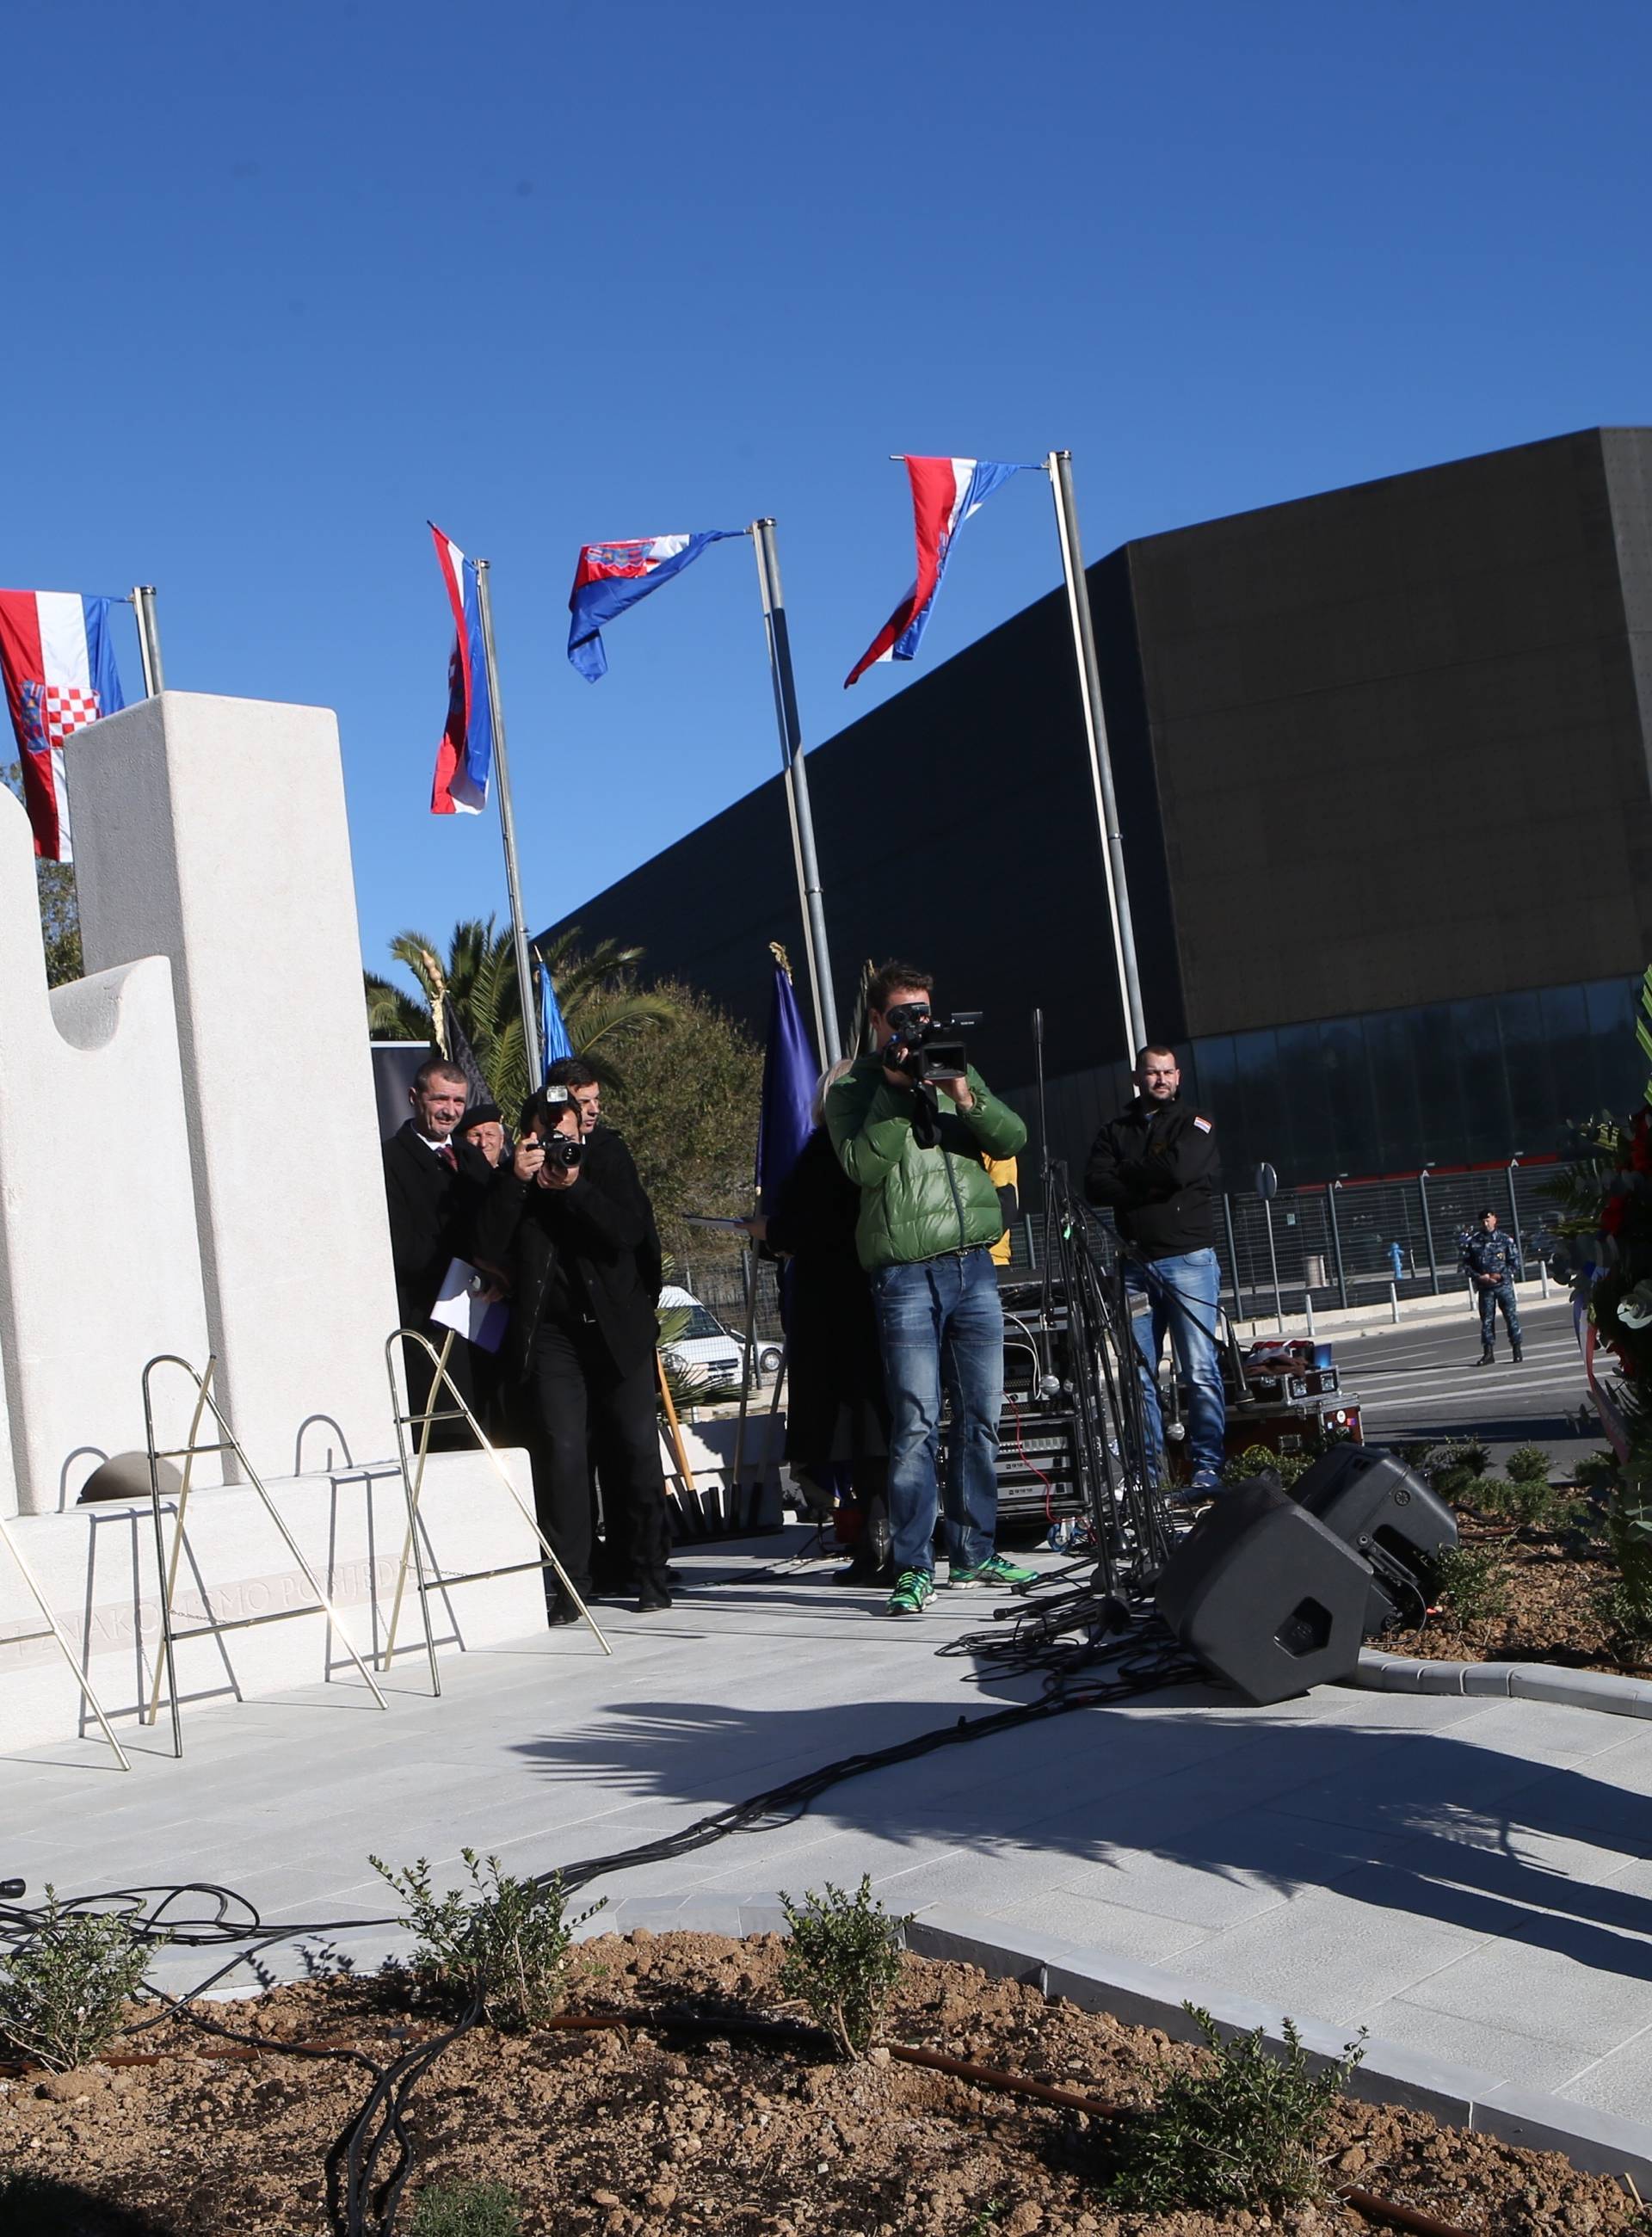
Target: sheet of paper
(459,1307)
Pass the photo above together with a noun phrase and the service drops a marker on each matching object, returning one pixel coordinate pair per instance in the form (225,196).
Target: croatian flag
(610,577)
(60,675)
(945,492)
(465,757)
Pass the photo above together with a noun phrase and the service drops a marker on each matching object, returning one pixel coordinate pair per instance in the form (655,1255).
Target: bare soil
(1553,1581)
(620,2133)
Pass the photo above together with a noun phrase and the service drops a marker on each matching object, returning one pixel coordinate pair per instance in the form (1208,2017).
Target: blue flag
(788,1076)
(612,577)
(553,1034)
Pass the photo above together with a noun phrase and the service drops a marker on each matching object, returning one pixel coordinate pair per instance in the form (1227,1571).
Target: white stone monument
(165,1186)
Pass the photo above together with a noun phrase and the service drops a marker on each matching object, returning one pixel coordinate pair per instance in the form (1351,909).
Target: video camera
(925,1049)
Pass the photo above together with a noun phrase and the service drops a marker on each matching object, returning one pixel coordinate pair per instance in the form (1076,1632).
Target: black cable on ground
(360,2202)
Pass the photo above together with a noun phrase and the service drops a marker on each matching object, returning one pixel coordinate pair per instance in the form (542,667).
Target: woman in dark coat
(836,1412)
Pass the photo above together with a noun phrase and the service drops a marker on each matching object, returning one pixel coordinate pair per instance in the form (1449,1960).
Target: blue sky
(281,283)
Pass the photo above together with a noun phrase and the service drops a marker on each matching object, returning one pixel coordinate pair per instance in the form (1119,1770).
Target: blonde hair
(824,1086)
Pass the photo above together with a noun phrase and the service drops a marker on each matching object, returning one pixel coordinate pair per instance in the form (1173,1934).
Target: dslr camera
(925,1049)
(560,1151)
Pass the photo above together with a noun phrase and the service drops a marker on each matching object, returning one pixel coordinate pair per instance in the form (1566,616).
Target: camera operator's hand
(558,1175)
(958,1089)
(896,1072)
(529,1157)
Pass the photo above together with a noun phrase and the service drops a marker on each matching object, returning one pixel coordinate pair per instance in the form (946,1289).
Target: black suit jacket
(602,1223)
(432,1209)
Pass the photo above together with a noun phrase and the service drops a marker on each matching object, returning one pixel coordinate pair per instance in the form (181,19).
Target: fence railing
(1337,1244)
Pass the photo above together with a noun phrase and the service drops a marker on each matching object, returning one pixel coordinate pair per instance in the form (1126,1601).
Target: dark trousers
(575,1398)
(450,1436)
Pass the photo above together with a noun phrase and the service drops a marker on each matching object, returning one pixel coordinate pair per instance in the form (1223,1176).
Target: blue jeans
(1180,1294)
(939,1322)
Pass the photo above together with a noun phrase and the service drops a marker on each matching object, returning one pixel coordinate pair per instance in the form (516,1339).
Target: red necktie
(445,1153)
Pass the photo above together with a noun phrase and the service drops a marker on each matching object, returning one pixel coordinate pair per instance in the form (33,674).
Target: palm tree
(601,1005)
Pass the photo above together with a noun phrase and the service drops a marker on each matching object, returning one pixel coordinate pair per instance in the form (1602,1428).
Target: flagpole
(1059,466)
(507,829)
(802,822)
(149,639)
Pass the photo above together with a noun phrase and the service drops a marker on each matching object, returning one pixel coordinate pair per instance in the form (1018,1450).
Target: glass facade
(1446,1083)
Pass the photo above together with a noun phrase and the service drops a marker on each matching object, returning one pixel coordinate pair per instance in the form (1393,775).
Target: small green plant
(507,1941)
(1472,1587)
(1256,1460)
(1596,1471)
(1453,1469)
(61,1994)
(1241,2131)
(1527,1464)
(982,2220)
(842,1959)
(1628,1621)
(465,2209)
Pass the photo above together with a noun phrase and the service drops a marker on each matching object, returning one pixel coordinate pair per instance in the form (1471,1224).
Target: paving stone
(1326,1955)
(1556,1994)
(1498,2052)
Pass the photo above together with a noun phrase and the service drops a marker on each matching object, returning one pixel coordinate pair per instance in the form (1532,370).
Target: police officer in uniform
(1492,1262)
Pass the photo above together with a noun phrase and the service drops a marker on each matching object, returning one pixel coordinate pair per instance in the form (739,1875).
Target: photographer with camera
(568,1219)
(910,1126)
(1156,1166)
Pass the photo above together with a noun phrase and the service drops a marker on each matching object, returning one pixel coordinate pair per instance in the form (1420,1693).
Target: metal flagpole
(1059,466)
(802,825)
(149,638)
(507,828)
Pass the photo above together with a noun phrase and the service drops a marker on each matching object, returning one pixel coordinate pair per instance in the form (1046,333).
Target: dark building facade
(1385,786)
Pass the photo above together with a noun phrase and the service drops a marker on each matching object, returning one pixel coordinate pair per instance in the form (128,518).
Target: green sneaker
(997,1571)
(912,1594)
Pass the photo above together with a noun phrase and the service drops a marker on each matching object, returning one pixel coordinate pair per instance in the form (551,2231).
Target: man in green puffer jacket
(928,1216)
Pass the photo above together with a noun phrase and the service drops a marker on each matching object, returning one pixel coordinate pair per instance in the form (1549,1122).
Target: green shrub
(1452,1468)
(1527,1464)
(842,1959)
(1472,1587)
(1243,2130)
(63,1994)
(465,2209)
(1257,1460)
(507,1940)
(1596,1471)
(1627,1620)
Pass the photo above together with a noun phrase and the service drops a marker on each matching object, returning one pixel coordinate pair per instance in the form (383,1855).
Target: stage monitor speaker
(1265,1595)
(1385,1511)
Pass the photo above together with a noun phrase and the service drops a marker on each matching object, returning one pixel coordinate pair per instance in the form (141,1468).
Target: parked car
(704,1342)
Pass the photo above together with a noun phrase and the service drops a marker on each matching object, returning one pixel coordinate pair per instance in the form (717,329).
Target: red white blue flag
(60,675)
(945,492)
(610,577)
(465,757)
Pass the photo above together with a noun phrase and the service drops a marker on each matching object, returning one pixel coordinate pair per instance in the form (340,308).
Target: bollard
(1393,1302)
(1307,1307)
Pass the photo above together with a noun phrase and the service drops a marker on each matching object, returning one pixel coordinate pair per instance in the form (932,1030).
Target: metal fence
(1341,1243)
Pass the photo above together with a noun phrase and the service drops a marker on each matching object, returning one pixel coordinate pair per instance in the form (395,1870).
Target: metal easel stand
(412,1484)
(52,1629)
(227,1442)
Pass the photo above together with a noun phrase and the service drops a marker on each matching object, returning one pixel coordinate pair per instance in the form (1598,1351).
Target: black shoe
(871,1575)
(1518,1355)
(1488,1358)
(561,1612)
(651,1600)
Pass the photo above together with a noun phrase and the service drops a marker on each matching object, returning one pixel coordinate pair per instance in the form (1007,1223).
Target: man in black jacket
(1156,1166)
(434,1187)
(579,1354)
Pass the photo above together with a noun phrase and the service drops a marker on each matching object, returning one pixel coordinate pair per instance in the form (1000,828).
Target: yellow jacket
(1001,1171)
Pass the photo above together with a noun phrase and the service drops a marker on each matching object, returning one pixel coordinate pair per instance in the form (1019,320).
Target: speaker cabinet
(1265,1595)
(1388,1515)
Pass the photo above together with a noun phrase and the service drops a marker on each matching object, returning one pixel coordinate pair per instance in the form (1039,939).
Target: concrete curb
(1601,1690)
